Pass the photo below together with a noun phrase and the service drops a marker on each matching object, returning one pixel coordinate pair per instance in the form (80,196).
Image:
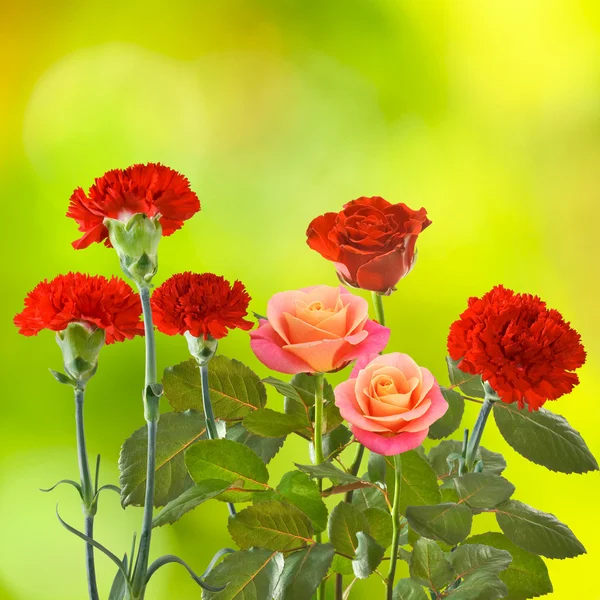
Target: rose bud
(371,242)
(316,330)
(390,403)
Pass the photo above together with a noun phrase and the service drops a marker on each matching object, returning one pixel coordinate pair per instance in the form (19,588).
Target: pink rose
(391,403)
(316,330)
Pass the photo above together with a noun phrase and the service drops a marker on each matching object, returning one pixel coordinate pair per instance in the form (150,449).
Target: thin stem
(209,416)
(378,306)
(151,413)
(318,446)
(395,525)
(354,468)
(475,438)
(87,492)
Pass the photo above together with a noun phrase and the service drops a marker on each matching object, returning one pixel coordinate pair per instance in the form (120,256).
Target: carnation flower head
(108,304)
(524,350)
(151,189)
(202,304)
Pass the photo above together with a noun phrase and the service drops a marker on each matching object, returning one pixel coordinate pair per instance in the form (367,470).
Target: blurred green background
(487,113)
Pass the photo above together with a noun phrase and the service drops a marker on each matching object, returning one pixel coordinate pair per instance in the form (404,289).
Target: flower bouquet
(368,493)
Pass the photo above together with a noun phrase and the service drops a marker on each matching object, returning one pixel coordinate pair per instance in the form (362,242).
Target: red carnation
(371,241)
(526,351)
(151,189)
(205,305)
(75,297)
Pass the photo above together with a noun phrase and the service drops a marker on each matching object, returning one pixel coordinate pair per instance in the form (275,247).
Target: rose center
(384,385)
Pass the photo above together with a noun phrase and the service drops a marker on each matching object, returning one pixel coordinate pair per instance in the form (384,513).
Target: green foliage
(480,586)
(297,489)
(265,448)
(369,497)
(419,486)
(448,522)
(438,457)
(345,521)
(303,571)
(429,565)
(483,490)
(380,525)
(470,385)
(328,471)
(176,432)
(272,424)
(235,390)
(526,576)
(118,589)
(229,461)
(368,555)
(333,442)
(273,525)
(544,438)
(246,575)
(377,468)
(450,422)
(537,531)
(192,497)
(470,558)
(407,589)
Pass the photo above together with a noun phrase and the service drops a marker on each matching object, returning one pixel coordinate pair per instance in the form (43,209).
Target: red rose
(371,241)
(201,304)
(523,349)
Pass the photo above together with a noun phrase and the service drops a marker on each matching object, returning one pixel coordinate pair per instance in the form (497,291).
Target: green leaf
(469,559)
(192,497)
(246,575)
(303,571)
(407,589)
(272,424)
(331,417)
(377,467)
(450,422)
(419,481)
(368,555)
(483,490)
(480,586)
(429,565)
(450,523)
(296,488)
(492,461)
(118,589)
(537,531)
(544,438)
(273,525)
(380,525)
(329,471)
(235,390)
(333,442)
(345,521)
(471,385)
(176,432)
(228,461)
(527,575)
(265,448)
(369,497)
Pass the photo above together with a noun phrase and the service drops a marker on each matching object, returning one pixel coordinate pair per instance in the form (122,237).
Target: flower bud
(201,348)
(136,242)
(80,344)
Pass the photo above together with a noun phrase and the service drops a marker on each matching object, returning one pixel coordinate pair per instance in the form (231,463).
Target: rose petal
(438,409)
(376,341)
(389,446)
(345,400)
(320,355)
(266,344)
(383,272)
(300,332)
(278,305)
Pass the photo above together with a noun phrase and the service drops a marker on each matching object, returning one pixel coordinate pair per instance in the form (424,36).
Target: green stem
(87,492)
(151,413)
(209,416)
(395,525)
(475,438)
(378,306)
(354,468)
(318,446)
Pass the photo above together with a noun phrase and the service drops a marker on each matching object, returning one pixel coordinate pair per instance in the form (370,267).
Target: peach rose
(316,330)
(391,403)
